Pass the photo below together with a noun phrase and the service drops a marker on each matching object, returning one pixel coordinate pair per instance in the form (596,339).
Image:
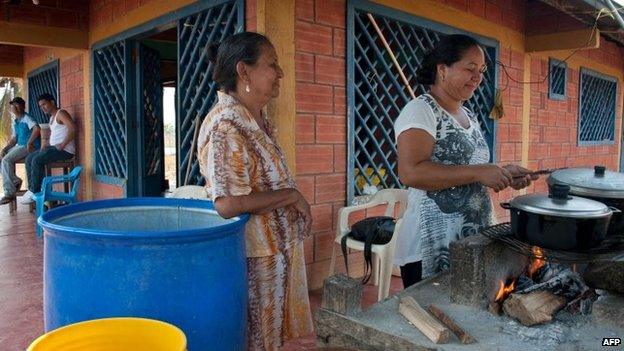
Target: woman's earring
(247,88)
(443,77)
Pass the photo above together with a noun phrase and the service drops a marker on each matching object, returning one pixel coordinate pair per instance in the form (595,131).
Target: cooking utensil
(559,221)
(597,184)
(540,172)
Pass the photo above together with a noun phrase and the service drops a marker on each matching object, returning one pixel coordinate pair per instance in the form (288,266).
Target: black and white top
(435,218)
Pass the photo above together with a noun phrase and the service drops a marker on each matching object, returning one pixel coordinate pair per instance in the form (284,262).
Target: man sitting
(62,145)
(24,139)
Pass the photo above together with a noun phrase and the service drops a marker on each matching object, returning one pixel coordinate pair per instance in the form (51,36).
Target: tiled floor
(21,283)
(21,300)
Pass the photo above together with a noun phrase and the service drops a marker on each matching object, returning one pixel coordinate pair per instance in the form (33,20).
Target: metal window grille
(151,97)
(597,101)
(377,94)
(196,89)
(557,79)
(109,105)
(42,80)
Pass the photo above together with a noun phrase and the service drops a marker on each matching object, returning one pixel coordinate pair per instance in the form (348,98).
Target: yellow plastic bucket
(113,334)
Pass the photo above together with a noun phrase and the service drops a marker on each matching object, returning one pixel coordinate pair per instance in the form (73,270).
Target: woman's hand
(495,177)
(303,210)
(522,177)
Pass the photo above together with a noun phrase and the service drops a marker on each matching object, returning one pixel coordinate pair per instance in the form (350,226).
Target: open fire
(542,290)
(505,289)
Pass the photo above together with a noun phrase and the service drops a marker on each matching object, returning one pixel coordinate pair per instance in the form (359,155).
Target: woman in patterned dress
(443,159)
(246,172)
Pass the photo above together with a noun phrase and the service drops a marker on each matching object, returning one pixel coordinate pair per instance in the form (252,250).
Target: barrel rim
(220,230)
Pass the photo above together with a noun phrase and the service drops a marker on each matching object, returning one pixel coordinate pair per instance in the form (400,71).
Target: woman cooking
(443,159)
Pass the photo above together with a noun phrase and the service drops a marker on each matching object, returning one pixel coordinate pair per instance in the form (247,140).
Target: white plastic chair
(383,255)
(190,192)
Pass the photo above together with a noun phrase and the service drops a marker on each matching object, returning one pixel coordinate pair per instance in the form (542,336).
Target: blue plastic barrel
(174,260)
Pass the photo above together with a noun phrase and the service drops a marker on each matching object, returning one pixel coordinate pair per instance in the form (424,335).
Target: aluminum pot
(596,184)
(559,221)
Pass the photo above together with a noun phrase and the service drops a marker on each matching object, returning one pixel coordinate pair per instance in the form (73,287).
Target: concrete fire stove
(477,265)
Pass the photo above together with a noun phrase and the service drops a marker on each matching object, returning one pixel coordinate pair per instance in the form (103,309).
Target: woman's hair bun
(211,51)
(448,50)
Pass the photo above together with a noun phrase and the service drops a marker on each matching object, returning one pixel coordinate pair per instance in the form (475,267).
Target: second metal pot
(597,184)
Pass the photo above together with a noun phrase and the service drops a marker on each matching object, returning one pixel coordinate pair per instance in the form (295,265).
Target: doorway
(156,67)
(152,87)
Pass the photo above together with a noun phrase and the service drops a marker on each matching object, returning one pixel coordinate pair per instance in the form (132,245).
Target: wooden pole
(190,160)
(394,60)
(464,337)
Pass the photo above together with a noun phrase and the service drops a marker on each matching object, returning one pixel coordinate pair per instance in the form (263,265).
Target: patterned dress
(435,218)
(238,158)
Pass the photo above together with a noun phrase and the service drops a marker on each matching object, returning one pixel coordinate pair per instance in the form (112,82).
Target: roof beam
(36,35)
(588,38)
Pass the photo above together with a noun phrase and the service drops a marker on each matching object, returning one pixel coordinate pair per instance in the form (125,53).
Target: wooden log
(342,294)
(495,308)
(533,308)
(429,326)
(463,336)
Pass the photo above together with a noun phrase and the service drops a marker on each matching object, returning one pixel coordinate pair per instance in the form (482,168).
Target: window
(597,97)
(378,93)
(109,111)
(42,80)
(557,79)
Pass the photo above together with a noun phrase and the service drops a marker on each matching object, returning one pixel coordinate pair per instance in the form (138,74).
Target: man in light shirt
(24,140)
(62,145)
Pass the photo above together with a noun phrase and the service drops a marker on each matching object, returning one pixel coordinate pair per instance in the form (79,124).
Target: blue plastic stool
(49,194)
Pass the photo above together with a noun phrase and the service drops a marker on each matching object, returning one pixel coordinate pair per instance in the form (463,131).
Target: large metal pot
(596,184)
(559,221)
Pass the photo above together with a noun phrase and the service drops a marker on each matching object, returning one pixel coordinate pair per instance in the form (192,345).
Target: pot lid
(559,203)
(597,182)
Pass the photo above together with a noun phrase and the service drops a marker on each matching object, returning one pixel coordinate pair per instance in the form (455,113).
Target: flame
(537,262)
(505,290)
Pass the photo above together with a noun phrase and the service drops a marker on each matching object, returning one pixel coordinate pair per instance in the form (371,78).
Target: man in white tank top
(62,145)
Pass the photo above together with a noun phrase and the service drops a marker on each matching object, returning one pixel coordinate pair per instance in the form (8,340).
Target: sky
(169,105)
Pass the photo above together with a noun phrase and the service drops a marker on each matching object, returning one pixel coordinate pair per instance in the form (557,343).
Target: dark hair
(245,47)
(46,96)
(447,51)
(18,100)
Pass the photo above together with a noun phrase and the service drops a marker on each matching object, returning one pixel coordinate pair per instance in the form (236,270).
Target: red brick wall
(11,54)
(105,12)
(554,123)
(71,91)
(32,52)
(72,14)
(321,133)
(509,128)
(507,13)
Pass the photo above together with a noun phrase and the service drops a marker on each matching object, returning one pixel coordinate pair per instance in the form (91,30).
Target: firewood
(495,308)
(464,337)
(533,308)
(563,282)
(413,312)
